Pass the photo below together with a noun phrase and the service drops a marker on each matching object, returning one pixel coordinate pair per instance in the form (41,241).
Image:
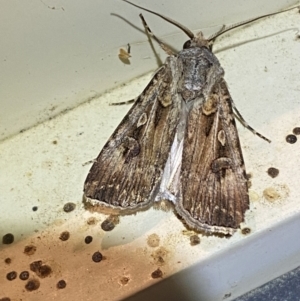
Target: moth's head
(197,41)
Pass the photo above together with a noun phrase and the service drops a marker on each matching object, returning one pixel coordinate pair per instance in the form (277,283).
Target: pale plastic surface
(43,167)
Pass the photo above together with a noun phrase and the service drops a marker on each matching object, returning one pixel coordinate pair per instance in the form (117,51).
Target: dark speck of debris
(296,131)
(68,207)
(273,172)
(11,275)
(61,284)
(110,223)
(194,240)
(7,260)
(5,299)
(30,249)
(42,270)
(54,141)
(64,236)
(97,256)
(157,274)
(24,275)
(88,239)
(34,208)
(8,239)
(291,139)
(32,285)
(124,280)
(246,231)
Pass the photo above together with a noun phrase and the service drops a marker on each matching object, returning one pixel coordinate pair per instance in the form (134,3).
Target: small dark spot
(7,260)
(68,207)
(291,139)
(64,235)
(34,208)
(11,275)
(8,239)
(110,223)
(24,275)
(273,172)
(124,280)
(30,249)
(61,284)
(5,299)
(32,285)
(157,274)
(88,239)
(97,256)
(249,176)
(54,142)
(194,240)
(227,296)
(296,131)
(42,270)
(246,231)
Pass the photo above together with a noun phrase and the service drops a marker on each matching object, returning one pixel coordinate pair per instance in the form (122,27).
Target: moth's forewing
(128,170)
(214,193)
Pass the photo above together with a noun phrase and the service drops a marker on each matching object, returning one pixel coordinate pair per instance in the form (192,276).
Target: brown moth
(178,142)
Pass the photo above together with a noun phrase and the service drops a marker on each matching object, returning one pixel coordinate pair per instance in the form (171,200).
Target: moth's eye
(187,44)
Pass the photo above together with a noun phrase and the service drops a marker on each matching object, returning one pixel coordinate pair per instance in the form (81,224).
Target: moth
(178,142)
(125,55)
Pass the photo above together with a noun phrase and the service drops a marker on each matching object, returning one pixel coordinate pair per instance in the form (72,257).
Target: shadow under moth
(178,142)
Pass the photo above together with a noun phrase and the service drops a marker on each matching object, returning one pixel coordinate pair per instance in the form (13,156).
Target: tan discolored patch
(160,256)
(253,196)
(153,240)
(91,221)
(276,193)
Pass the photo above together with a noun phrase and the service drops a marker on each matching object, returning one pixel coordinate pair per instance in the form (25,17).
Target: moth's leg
(245,124)
(122,103)
(161,44)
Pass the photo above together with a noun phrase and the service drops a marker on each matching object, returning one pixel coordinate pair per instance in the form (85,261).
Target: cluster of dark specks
(39,269)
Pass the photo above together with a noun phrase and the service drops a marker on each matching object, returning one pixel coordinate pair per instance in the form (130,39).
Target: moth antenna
(180,26)
(230,27)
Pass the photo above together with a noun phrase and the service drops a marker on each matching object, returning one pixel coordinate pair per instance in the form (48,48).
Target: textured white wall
(55,55)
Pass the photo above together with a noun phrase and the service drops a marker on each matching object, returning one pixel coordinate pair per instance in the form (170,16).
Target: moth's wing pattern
(128,170)
(214,193)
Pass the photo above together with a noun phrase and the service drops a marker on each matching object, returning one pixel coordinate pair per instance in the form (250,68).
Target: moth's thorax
(199,69)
